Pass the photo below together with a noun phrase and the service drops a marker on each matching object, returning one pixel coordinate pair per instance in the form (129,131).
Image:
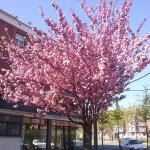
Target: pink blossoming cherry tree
(78,69)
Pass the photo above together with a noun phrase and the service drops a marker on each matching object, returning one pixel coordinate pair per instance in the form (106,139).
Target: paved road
(108,147)
(112,146)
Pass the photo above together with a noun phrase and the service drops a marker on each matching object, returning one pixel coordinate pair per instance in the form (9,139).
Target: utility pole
(119,135)
(102,138)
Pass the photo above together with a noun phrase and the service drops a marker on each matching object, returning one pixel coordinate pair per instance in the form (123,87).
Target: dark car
(77,144)
(25,145)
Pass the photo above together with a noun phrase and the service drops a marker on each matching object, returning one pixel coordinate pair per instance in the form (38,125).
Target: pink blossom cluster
(83,65)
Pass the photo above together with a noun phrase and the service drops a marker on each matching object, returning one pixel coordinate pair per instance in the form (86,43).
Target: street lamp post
(102,137)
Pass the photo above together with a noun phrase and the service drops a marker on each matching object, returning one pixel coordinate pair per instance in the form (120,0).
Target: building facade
(132,128)
(23,128)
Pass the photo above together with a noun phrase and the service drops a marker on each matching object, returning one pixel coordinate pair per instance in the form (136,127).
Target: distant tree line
(120,117)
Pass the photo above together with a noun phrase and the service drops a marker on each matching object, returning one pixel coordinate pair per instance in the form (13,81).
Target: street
(109,146)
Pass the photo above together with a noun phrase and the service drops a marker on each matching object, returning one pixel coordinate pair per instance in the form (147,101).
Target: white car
(123,140)
(131,144)
(39,144)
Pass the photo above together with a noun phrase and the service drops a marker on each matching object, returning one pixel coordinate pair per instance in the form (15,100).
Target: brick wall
(12,30)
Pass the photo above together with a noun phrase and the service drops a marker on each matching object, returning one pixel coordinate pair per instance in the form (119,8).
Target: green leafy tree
(103,122)
(107,121)
(126,118)
(136,119)
(118,116)
(143,110)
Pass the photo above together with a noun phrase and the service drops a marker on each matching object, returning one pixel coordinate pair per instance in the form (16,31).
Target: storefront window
(76,138)
(33,134)
(79,133)
(53,136)
(60,143)
(73,134)
(66,136)
(57,137)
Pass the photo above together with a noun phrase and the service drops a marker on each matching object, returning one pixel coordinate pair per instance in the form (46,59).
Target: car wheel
(35,147)
(27,147)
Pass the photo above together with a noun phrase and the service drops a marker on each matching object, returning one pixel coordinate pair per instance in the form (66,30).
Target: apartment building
(131,128)
(23,128)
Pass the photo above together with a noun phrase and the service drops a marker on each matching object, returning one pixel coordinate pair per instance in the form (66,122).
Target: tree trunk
(136,135)
(87,135)
(95,136)
(112,135)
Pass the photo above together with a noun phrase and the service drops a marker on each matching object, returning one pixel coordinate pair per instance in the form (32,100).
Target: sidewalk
(148,148)
(108,142)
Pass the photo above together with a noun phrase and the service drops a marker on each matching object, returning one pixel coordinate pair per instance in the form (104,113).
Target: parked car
(25,145)
(131,144)
(122,141)
(40,144)
(77,144)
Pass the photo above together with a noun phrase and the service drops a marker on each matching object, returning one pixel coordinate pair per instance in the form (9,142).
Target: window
(10,125)
(3,118)
(13,129)
(3,129)
(133,142)
(19,39)
(132,129)
(15,119)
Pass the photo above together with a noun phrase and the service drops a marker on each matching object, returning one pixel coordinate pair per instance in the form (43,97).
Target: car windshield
(123,139)
(40,141)
(131,142)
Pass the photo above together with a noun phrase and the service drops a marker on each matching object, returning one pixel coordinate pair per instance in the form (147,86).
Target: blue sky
(27,10)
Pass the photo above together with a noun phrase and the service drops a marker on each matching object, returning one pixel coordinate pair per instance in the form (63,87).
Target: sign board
(75,125)
(101,128)
(26,120)
(60,123)
(35,121)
